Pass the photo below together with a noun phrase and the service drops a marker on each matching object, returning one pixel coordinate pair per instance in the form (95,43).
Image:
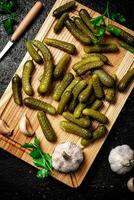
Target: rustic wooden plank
(11,113)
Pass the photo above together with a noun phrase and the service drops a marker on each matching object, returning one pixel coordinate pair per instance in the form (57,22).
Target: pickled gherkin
(78,109)
(98,90)
(99,132)
(16,89)
(83,122)
(126,46)
(28,70)
(75,129)
(46,79)
(84,95)
(37,104)
(65,46)
(64,8)
(60,23)
(89,66)
(76,91)
(101,48)
(96,104)
(46,127)
(101,56)
(110,93)
(98,116)
(106,79)
(62,86)
(62,64)
(76,32)
(82,26)
(33,53)
(65,98)
(74,82)
(126,80)
(84,61)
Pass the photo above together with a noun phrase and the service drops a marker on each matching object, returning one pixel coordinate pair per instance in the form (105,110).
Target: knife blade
(22,26)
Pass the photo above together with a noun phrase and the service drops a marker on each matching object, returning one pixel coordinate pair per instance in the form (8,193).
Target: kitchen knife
(23,26)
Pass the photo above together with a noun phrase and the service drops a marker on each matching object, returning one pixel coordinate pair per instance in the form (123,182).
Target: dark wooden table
(17,178)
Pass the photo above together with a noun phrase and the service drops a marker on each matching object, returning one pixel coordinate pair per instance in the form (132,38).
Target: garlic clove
(25,126)
(130,184)
(4,129)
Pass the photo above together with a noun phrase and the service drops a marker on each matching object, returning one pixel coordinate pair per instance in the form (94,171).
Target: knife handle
(27,20)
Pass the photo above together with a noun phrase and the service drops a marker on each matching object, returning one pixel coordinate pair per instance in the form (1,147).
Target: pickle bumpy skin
(60,23)
(83,122)
(46,127)
(102,48)
(96,104)
(65,98)
(33,53)
(16,89)
(76,32)
(98,90)
(84,95)
(62,86)
(74,129)
(64,8)
(65,46)
(78,109)
(101,56)
(98,116)
(126,80)
(28,70)
(37,104)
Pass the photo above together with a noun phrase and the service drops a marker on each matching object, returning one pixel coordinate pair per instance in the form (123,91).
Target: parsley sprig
(40,159)
(8,7)
(99,22)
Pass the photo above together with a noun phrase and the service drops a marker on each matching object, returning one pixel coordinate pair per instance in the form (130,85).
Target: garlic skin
(130,184)
(67,157)
(4,129)
(121,159)
(25,126)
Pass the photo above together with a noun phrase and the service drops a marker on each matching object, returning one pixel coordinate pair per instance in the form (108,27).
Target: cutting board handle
(27,20)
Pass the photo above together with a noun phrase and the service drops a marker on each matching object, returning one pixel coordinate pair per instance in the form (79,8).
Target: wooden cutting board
(11,113)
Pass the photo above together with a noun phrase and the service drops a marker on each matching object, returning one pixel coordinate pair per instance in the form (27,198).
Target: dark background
(17,178)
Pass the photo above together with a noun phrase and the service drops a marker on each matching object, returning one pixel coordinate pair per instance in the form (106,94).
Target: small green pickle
(105,78)
(101,48)
(75,129)
(47,56)
(89,66)
(98,116)
(16,89)
(60,23)
(97,104)
(101,56)
(74,82)
(33,53)
(76,32)
(46,127)
(37,104)
(82,122)
(65,98)
(65,46)
(126,46)
(84,61)
(99,132)
(76,91)
(62,86)
(46,80)
(126,80)
(28,70)
(84,95)
(82,26)
(110,93)
(98,90)
(64,8)
(62,64)
(78,109)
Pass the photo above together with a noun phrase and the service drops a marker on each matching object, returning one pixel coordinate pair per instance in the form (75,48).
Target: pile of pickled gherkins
(80,94)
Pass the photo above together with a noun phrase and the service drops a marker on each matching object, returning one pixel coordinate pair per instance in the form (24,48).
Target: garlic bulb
(130,184)
(121,159)
(25,126)
(4,129)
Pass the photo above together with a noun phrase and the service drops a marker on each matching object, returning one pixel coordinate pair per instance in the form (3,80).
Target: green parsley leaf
(42,173)
(36,141)
(35,153)
(98,21)
(40,162)
(8,25)
(28,145)
(100,32)
(8,6)
(118,17)
(113,30)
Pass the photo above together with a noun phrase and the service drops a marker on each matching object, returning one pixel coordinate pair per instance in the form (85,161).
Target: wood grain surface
(11,113)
